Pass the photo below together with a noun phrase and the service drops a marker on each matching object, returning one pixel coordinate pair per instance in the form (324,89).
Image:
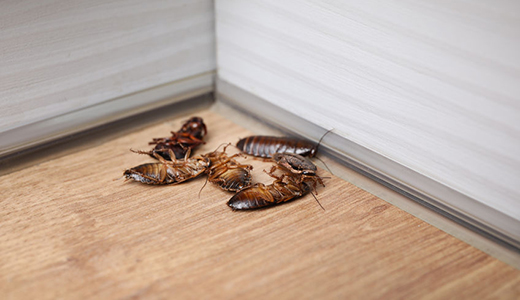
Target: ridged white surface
(62,56)
(434,86)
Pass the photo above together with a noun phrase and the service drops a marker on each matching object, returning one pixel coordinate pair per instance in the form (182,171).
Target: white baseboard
(450,203)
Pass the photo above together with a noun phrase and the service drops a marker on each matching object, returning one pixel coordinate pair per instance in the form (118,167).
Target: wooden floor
(72,228)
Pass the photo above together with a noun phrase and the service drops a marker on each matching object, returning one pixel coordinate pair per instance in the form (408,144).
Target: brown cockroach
(298,178)
(168,172)
(261,195)
(266,146)
(226,172)
(187,138)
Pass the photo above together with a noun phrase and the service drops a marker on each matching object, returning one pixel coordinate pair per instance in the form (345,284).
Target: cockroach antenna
(205,182)
(321,139)
(319,143)
(315,198)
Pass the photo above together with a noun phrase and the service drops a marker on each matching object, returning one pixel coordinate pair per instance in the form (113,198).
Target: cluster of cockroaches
(175,165)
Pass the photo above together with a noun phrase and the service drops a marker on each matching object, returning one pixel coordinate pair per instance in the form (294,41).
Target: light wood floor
(72,228)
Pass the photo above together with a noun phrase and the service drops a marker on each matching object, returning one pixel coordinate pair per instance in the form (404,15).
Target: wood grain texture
(432,86)
(69,230)
(61,56)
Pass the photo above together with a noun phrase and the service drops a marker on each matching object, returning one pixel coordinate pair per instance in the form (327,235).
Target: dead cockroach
(168,172)
(266,146)
(261,195)
(187,138)
(298,178)
(226,172)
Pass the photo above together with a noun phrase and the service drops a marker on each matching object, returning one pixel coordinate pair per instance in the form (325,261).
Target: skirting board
(44,131)
(446,201)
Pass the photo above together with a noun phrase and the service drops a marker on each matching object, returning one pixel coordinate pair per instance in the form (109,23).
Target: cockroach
(261,195)
(298,178)
(188,137)
(168,172)
(226,172)
(266,146)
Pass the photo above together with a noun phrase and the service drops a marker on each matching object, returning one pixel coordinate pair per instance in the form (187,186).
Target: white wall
(62,56)
(432,85)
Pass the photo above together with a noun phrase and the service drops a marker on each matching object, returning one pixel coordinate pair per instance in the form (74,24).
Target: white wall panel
(61,56)
(431,85)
